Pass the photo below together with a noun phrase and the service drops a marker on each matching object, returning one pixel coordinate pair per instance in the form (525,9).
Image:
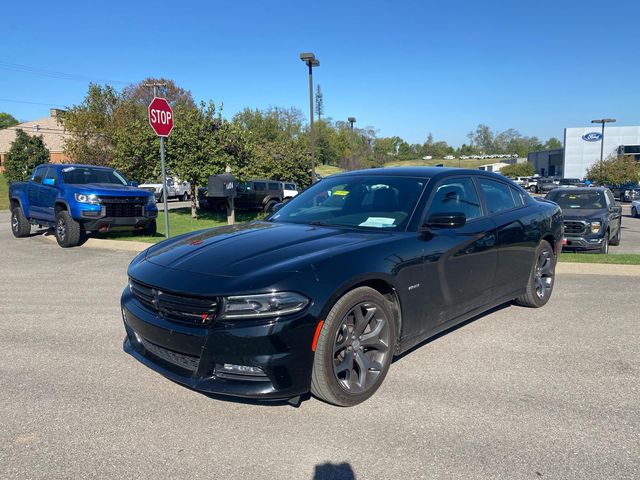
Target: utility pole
(311,61)
(155,86)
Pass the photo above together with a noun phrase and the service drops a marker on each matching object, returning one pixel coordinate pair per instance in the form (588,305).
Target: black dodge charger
(322,294)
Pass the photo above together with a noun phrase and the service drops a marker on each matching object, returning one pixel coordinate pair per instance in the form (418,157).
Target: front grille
(123,206)
(174,307)
(188,362)
(574,227)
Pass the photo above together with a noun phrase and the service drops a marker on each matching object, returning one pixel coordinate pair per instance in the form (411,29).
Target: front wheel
(268,208)
(634,212)
(184,197)
(354,349)
(20,226)
(604,248)
(616,239)
(68,231)
(150,229)
(541,278)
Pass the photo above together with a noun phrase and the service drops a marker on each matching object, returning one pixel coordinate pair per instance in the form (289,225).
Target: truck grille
(574,227)
(123,206)
(188,362)
(174,307)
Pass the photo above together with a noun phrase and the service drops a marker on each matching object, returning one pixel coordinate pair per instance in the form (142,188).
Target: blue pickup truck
(80,199)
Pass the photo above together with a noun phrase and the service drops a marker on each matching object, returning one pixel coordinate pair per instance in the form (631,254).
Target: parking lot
(516,393)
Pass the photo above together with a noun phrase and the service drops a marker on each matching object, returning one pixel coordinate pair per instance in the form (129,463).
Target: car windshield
(84,175)
(579,200)
(365,202)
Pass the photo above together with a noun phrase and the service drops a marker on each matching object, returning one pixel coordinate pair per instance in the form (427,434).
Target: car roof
(580,189)
(74,165)
(431,172)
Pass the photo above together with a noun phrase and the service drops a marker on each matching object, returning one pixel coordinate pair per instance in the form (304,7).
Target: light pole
(311,61)
(602,121)
(351,121)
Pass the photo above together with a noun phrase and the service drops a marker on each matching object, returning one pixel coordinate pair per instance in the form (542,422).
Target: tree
(7,120)
(319,102)
(25,153)
(615,171)
(552,144)
(525,169)
(482,138)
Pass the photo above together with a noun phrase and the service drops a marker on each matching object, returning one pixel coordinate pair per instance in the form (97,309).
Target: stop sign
(160,117)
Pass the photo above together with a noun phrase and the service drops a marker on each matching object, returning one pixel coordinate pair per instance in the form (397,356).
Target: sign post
(161,120)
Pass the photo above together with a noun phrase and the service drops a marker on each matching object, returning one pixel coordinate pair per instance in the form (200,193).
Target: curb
(104,244)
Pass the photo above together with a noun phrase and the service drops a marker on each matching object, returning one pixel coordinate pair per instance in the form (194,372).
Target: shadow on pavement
(334,471)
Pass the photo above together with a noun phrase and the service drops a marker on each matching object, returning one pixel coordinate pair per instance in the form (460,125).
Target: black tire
(634,212)
(533,189)
(161,198)
(68,231)
(616,239)
(184,197)
(604,248)
(541,278)
(339,353)
(20,226)
(151,228)
(268,208)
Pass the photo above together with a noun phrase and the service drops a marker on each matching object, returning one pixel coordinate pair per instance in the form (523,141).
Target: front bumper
(94,217)
(193,355)
(582,243)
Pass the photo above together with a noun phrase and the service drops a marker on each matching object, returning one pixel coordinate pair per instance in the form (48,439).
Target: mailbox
(221,186)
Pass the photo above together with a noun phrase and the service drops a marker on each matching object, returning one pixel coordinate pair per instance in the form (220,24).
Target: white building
(582,150)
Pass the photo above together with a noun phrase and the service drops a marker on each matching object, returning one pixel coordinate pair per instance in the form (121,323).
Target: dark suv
(592,218)
(259,194)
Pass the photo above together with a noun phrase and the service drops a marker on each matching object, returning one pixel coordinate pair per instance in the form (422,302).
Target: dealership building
(582,150)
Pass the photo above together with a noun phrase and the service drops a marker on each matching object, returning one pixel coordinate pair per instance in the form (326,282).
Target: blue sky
(406,68)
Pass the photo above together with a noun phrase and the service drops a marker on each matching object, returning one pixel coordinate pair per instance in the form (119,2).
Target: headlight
(84,198)
(595,227)
(151,200)
(263,305)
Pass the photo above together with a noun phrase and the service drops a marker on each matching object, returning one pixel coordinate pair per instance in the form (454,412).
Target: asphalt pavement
(514,394)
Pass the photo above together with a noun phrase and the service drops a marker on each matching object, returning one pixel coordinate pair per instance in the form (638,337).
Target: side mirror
(133,184)
(50,182)
(446,220)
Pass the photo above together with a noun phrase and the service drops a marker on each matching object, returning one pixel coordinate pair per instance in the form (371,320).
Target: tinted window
(38,175)
(518,197)
(362,201)
(259,186)
(289,186)
(456,195)
(84,175)
(274,186)
(497,195)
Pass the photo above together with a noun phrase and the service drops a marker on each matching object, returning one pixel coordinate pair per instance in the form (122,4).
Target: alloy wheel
(15,224)
(361,347)
(543,279)
(61,229)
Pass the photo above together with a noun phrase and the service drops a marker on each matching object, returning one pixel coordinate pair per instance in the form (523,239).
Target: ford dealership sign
(592,137)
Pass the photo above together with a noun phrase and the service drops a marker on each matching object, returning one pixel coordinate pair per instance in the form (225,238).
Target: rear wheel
(354,349)
(20,226)
(184,197)
(268,208)
(541,279)
(616,239)
(68,231)
(533,189)
(634,212)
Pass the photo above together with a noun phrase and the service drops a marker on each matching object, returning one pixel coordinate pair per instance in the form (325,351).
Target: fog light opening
(246,370)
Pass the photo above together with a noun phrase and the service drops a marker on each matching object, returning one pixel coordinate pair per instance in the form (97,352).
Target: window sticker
(341,193)
(68,169)
(378,222)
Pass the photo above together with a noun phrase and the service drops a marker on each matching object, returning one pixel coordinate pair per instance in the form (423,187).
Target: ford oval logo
(592,137)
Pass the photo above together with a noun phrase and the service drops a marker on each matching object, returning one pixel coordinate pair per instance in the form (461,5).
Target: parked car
(635,208)
(259,194)
(626,192)
(80,199)
(592,218)
(323,293)
(546,184)
(176,188)
(290,190)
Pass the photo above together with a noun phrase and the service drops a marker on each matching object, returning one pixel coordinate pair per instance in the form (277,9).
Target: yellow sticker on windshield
(341,192)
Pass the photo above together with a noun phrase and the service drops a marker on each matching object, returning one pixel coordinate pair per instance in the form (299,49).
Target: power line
(32,103)
(43,72)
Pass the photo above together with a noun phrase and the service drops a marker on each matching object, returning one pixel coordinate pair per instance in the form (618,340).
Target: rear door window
(259,186)
(274,186)
(518,197)
(456,195)
(497,195)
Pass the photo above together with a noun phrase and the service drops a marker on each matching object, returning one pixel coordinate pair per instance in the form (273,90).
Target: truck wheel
(184,197)
(68,231)
(20,226)
(605,244)
(533,189)
(616,240)
(150,229)
(268,208)
(541,278)
(634,212)
(354,348)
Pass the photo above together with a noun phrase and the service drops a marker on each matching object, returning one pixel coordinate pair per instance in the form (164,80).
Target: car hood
(255,248)
(108,189)
(582,214)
